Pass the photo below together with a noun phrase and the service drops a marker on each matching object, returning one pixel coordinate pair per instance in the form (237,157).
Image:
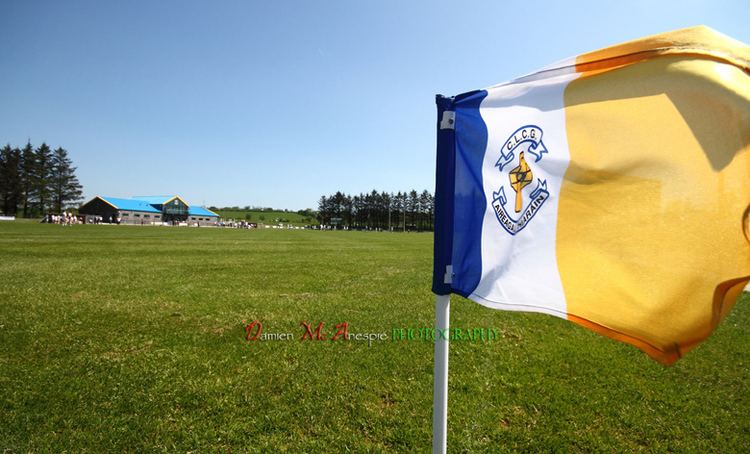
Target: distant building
(147,210)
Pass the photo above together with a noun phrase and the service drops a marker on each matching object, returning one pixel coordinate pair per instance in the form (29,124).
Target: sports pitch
(117,338)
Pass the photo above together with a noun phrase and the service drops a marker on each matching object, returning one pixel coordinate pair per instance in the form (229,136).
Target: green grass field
(118,338)
(266,217)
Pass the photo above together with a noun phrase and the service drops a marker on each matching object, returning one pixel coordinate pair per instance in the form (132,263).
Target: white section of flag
(519,272)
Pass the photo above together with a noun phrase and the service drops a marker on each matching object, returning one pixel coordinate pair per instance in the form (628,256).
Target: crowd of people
(232,224)
(101,220)
(68,218)
(65,218)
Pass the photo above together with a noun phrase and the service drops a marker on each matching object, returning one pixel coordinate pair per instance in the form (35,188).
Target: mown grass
(119,338)
(266,217)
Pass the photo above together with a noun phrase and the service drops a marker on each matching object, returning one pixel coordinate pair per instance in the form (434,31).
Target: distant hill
(265,217)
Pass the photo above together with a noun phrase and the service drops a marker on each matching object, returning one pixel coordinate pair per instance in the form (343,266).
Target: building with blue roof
(148,210)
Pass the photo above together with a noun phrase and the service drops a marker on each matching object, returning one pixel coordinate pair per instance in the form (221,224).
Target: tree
(412,207)
(10,179)
(338,207)
(400,207)
(378,210)
(42,181)
(367,206)
(324,210)
(347,210)
(426,209)
(4,183)
(359,211)
(65,187)
(386,200)
(26,174)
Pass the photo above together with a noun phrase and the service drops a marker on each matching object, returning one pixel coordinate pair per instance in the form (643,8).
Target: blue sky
(276,103)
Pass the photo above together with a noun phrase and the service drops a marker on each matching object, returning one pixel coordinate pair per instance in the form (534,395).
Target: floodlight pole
(440,376)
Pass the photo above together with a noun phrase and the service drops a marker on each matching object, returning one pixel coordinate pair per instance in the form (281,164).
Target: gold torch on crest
(520,177)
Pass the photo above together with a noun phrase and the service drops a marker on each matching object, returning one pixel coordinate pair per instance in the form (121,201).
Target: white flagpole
(440,376)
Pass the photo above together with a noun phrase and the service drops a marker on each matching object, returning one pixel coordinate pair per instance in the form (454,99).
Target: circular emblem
(523,145)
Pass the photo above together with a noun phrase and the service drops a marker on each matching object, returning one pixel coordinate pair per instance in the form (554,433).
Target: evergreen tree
(324,210)
(426,209)
(379,210)
(26,173)
(10,182)
(64,184)
(4,186)
(412,207)
(368,205)
(4,183)
(347,210)
(359,211)
(376,209)
(340,208)
(400,210)
(386,200)
(42,181)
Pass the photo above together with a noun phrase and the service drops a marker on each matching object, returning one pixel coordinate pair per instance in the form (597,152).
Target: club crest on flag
(524,145)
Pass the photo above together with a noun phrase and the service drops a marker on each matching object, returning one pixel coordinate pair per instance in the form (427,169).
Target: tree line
(36,181)
(411,210)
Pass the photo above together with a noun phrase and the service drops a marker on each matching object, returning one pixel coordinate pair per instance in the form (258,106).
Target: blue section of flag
(470,202)
(460,202)
(444,183)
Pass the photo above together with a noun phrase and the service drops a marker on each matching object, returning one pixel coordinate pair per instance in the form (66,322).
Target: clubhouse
(148,210)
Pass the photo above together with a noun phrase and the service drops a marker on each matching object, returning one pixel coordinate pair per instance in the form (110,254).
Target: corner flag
(611,189)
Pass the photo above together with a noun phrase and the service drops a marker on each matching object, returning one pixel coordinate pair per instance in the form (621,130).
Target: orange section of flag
(650,242)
